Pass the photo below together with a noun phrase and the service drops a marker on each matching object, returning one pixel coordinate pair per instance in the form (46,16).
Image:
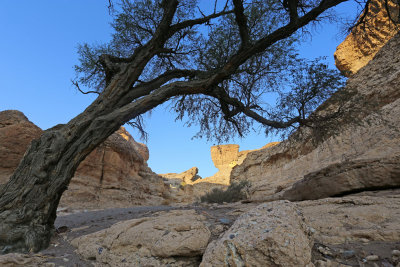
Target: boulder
(272,234)
(366,132)
(175,238)
(353,219)
(365,40)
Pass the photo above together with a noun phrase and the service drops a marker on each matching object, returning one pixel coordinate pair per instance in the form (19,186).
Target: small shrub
(235,192)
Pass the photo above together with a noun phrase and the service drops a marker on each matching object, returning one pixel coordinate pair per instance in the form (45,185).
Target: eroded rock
(353,219)
(272,234)
(368,132)
(113,175)
(365,40)
(16,133)
(175,238)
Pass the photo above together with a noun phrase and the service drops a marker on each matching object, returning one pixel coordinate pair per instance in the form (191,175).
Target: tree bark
(29,200)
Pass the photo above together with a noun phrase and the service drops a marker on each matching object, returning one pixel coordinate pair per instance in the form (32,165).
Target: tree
(160,52)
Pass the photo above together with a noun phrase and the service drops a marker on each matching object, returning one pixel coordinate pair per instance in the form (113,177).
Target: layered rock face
(367,39)
(362,152)
(114,175)
(16,133)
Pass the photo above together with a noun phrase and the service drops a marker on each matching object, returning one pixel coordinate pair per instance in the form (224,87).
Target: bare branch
(80,90)
(241,21)
(190,23)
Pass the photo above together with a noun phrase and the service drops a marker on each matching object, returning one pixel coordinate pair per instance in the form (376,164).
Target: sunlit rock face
(366,138)
(115,174)
(365,40)
(16,133)
(225,158)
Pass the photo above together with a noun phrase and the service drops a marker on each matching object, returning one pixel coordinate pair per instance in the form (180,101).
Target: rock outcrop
(225,158)
(272,234)
(365,40)
(364,219)
(114,175)
(16,133)
(183,178)
(176,238)
(368,133)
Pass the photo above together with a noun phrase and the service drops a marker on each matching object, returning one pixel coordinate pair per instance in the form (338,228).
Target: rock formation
(225,158)
(272,234)
(177,238)
(367,39)
(183,178)
(114,175)
(16,133)
(368,133)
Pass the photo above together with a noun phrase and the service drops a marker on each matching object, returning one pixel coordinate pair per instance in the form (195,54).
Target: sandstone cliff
(365,40)
(225,158)
(369,133)
(114,175)
(16,133)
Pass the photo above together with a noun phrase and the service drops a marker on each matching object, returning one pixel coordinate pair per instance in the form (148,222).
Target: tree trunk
(29,200)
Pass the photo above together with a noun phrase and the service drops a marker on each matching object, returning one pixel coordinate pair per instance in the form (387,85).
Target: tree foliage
(247,94)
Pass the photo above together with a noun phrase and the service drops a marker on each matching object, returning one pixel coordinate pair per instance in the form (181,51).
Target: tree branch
(190,23)
(241,21)
(292,6)
(80,90)
(221,95)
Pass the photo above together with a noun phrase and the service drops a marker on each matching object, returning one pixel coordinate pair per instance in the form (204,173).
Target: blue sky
(38,52)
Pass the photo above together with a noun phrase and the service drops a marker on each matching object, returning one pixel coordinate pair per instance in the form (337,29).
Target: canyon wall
(366,39)
(115,174)
(368,132)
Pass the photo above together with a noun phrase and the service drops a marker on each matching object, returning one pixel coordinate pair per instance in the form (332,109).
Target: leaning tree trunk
(29,200)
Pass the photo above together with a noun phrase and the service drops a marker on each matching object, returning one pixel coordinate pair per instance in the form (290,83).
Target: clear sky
(38,52)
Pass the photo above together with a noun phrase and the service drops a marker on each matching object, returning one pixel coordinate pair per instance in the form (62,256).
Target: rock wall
(16,133)
(365,40)
(114,175)
(369,131)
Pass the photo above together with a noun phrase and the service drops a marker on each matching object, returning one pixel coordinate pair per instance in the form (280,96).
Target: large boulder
(272,234)
(363,219)
(367,132)
(366,39)
(115,174)
(175,238)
